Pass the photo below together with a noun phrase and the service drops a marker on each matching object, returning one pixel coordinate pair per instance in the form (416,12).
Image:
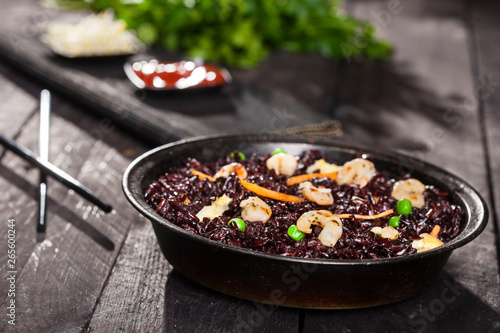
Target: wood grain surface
(270,98)
(426,107)
(60,274)
(487,78)
(438,100)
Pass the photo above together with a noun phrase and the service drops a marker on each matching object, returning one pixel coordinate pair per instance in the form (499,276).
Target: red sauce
(159,75)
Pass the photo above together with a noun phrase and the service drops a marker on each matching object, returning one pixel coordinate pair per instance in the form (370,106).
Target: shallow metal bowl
(299,282)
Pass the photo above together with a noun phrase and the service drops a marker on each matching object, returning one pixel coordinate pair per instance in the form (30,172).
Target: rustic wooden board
(15,110)
(258,100)
(447,306)
(424,105)
(144,294)
(133,298)
(420,105)
(60,278)
(486,32)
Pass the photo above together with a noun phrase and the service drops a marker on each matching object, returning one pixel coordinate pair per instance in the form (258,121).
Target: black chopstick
(44,156)
(55,172)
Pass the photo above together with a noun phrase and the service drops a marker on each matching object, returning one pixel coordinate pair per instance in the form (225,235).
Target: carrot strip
(202,175)
(270,193)
(302,178)
(435,231)
(365,217)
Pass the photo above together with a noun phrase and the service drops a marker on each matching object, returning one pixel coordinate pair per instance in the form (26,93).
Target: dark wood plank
(63,275)
(133,298)
(16,110)
(423,103)
(426,105)
(17,177)
(16,107)
(486,31)
(144,294)
(447,306)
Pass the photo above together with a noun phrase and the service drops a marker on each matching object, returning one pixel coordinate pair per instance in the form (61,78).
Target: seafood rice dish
(305,206)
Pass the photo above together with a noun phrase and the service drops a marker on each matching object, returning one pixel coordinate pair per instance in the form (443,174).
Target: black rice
(169,193)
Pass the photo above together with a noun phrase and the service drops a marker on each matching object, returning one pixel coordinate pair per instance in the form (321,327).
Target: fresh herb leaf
(241,33)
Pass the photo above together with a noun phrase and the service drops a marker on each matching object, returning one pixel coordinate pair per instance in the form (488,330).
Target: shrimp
(386,232)
(255,209)
(410,189)
(332,226)
(282,164)
(426,242)
(323,167)
(226,170)
(305,184)
(358,171)
(321,196)
(217,208)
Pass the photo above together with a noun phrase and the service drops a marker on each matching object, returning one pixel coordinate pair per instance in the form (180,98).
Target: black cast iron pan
(299,282)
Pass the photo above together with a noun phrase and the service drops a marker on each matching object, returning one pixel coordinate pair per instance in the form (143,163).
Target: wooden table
(438,99)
